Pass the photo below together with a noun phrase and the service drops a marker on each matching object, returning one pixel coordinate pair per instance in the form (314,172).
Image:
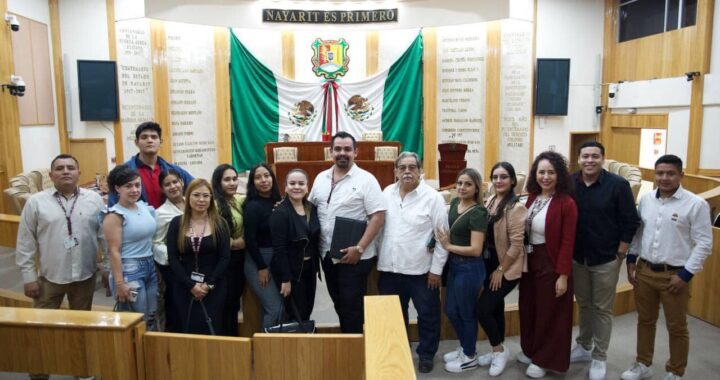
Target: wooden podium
(452,160)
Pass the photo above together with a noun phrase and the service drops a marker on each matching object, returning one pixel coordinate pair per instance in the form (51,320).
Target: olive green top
(237,216)
(473,219)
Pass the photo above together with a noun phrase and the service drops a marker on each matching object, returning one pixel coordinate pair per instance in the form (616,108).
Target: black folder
(347,233)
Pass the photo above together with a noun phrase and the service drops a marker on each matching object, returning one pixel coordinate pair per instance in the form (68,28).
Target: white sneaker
(580,354)
(462,363)
(637,371)
(535,372)
(499,361)
(485,359)
(671,376)
(452,355)
(598,368)
(522,358)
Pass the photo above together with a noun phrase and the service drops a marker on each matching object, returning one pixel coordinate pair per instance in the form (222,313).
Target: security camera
(613,89)
(12,20)
(16,86)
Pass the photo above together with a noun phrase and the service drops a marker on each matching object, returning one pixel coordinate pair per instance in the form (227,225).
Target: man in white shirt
(670,246)
(348,191)
(409,266)
(58,240)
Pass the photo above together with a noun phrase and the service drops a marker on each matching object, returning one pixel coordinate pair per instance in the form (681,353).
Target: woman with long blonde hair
(198,245)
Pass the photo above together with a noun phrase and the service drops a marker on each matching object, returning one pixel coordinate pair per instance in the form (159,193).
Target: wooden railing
(387,352)
(72,342)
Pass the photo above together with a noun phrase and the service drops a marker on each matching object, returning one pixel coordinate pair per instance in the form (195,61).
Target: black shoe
(425,366)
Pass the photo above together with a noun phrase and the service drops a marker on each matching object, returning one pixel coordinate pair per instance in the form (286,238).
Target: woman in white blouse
(173,187)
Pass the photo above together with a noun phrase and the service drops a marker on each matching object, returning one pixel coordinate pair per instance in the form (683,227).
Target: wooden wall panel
(372,49)
(310,356)
(387,354)
(654,121)
(186,356)
(664,55)
(706,286)
(430,153)
(112,48)
(287,39)
(23,62)
(10,158)
(492,96)
(58,74)
(222,95)
(87,152)
(41,71)
(625,145)
(161,86)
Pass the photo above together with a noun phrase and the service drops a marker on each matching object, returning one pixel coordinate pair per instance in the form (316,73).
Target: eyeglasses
(200,195)
(500,176)
(412,168)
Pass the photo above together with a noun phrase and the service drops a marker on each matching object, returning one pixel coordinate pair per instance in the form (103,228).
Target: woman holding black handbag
(295,232)
(198,247)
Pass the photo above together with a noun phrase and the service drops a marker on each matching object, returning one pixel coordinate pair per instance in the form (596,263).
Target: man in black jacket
(607,220)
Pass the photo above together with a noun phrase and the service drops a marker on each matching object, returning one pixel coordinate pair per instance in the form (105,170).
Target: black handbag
(296,326)
(208,320)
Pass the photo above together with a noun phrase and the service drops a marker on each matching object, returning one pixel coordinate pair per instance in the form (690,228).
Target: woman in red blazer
(546,296)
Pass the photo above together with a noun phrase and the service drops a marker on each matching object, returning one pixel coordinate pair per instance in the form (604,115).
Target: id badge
(70,242)
(197,277)
(528,249)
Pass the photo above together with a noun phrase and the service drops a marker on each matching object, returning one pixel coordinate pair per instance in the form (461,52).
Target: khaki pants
(650,292)
(595,288)
(79,294)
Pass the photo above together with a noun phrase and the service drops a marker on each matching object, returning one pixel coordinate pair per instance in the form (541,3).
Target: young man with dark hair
(669,248)
(347,190)
(607,220)
(148,137)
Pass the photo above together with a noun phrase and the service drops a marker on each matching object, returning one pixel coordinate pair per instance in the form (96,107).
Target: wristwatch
(500,269)
(360,249)
(211,286)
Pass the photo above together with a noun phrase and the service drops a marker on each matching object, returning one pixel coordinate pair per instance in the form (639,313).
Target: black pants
(347,285)
(491,311)
(172,320)
(235,286)
(303,292)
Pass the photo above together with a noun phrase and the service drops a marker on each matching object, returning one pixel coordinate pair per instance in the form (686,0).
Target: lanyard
(65,212)
(195,242)
(537,206)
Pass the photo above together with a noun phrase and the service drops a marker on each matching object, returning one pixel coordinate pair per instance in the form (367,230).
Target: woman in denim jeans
(129,227)
(466,274)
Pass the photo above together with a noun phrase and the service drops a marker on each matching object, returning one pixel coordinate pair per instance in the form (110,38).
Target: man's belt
(660,267)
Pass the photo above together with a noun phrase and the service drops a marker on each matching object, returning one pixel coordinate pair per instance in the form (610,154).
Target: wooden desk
(8,230)
(72,342)
(382,170)
(315,150)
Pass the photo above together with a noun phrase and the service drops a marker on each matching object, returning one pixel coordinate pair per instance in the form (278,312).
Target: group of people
(180,250)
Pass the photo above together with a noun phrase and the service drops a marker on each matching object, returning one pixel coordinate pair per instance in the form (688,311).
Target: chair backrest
(521,181)
(17,198)
(36,180)
(328,155)
(372,136)
(386,153)
(296,136)
(613,167)
(285,154)
(606,163)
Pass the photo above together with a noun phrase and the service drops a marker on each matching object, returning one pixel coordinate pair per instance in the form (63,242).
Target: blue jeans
(141,277)
(426,302)
(269,296)
(465,279)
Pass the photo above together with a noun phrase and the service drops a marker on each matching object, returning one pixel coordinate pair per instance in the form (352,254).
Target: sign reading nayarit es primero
(330,17)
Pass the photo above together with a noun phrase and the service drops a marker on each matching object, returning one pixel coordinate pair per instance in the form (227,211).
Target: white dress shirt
(43,230)
(163,216)
(409,225)
(674,231)
(355,196)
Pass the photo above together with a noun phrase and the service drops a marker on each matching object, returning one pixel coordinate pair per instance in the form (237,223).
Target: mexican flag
(267,107)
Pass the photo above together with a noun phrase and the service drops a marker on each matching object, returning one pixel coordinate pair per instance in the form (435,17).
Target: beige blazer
(509,238)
